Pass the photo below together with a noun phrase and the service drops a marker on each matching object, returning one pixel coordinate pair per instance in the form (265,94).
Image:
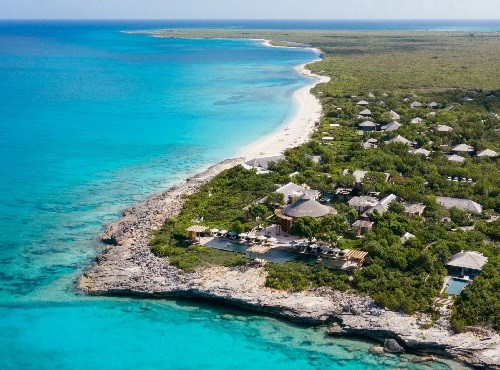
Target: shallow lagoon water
(93,120)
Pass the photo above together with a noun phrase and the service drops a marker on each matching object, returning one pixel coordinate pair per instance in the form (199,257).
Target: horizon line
(251,19)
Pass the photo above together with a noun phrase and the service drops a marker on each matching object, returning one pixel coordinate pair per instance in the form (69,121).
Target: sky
(249,9)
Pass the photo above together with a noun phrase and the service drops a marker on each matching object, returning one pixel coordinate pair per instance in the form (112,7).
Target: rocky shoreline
(127,267)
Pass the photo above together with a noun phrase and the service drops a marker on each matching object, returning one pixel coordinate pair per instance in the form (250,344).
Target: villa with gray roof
(417,120)
(456,158)
(463,204)
(416,104)
(466,264)
(262,164)
(399,139)
(393,126)
(443,128)
(362,103)
(487,153)
(292,190)
(365,113)
(462,148)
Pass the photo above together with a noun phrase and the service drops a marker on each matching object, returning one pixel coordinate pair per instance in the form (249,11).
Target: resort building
(413,209)
(393,126)
(381,207)
(417,120)
(362,227)
(362,203)
(466,264)
(394,115)
(370,143)
(433,105)
(416,104)
(456,158)
(262,164)
(487,153)
(305,206)
(462,148)
(463,204)
(291,191)
(367,126)
(421,151)
(365,113)
(359,176)
(399,139)
(362,103)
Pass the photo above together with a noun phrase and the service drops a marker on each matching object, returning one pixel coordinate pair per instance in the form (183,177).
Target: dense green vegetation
(393,68)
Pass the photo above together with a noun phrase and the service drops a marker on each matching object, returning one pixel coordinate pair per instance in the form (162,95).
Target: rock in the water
(391,345)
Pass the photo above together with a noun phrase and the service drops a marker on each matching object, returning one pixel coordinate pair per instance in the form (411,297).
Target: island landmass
(392,106)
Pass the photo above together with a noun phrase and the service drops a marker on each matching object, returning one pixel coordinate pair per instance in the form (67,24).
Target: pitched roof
(416,104)
(432,104)
(307,206)
(463,204)
(414,207)
(462,148)
(399,139)
(456,158)
(487,153)
(394,115)
(417,120)
(294,190)
(363,201)
(443,128)
(393,126)
(466,259)
(362,102)
(365,112)
(421,151)
(263,163)
(367,124)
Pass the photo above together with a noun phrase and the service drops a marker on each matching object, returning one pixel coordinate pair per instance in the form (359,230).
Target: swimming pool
(455,286)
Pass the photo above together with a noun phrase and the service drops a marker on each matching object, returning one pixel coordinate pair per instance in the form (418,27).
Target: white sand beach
(298,128)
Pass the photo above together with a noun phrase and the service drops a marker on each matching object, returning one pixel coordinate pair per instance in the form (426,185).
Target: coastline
(128,267)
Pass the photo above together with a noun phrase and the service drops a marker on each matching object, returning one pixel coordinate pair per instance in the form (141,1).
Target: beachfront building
(466,264)
(305,206)
(362,227)
(463,204)
(262,164)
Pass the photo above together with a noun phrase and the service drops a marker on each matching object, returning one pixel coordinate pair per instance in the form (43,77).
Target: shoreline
(128,267)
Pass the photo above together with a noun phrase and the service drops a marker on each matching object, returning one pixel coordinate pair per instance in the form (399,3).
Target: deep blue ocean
(93,120)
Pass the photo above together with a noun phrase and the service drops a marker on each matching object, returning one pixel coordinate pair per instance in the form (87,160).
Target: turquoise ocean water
(93,120)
